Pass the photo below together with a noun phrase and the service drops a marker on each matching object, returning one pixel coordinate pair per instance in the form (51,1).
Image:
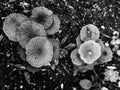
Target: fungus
(45,17)
(11,23)
(89,51)
(106,55)
(56,47)
(85,84)
(89,32)
(54,28)
(29,30)
(75,57)
(39,52)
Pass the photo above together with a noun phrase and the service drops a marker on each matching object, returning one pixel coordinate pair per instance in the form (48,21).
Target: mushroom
(39,52)
(89,32)
(56,47)
(29,30)
(85,84)
(89,51)
(54,28)
(11,23)
(45,17)
(75,57)
(106,55)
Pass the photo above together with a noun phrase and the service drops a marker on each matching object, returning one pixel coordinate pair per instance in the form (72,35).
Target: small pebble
(118,52)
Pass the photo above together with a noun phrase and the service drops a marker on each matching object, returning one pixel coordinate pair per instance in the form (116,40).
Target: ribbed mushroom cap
(43,16)
(106,55)
(11,23)
(39,52)
(29,30)
(89,32)
(89,51)
(55,26)
(75,57)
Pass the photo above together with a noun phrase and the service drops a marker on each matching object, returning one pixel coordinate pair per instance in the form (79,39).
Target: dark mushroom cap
(106,55)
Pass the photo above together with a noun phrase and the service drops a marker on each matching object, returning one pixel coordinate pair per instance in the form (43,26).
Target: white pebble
(104,88)
(118,52)
(111,67)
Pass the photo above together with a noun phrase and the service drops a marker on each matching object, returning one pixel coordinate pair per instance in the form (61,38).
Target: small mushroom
(11,23)
(89,51)
(54,28)
(75,57)
(106,55)
(89,32)
(39,52)
(85,84)
(43,16)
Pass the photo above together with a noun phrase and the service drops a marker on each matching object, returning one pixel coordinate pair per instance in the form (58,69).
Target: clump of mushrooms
(90,49)
(45,17)
(31,33)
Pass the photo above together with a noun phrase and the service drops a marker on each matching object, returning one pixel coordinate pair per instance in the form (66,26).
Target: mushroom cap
(89,32)
(41,10)
(11,23)
(39,52)
(56,47)
(89,51)
(55,26)
(106,55)
(85,84)
(75,57)
(43,16)
(29,30)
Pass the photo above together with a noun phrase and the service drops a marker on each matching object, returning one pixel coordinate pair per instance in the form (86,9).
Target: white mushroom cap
(89,32)
(39,52)
(11,23)
(75,57)
(29,30)
(89,51)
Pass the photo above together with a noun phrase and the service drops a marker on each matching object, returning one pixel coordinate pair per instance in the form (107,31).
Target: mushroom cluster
(32,35)
(90,49)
